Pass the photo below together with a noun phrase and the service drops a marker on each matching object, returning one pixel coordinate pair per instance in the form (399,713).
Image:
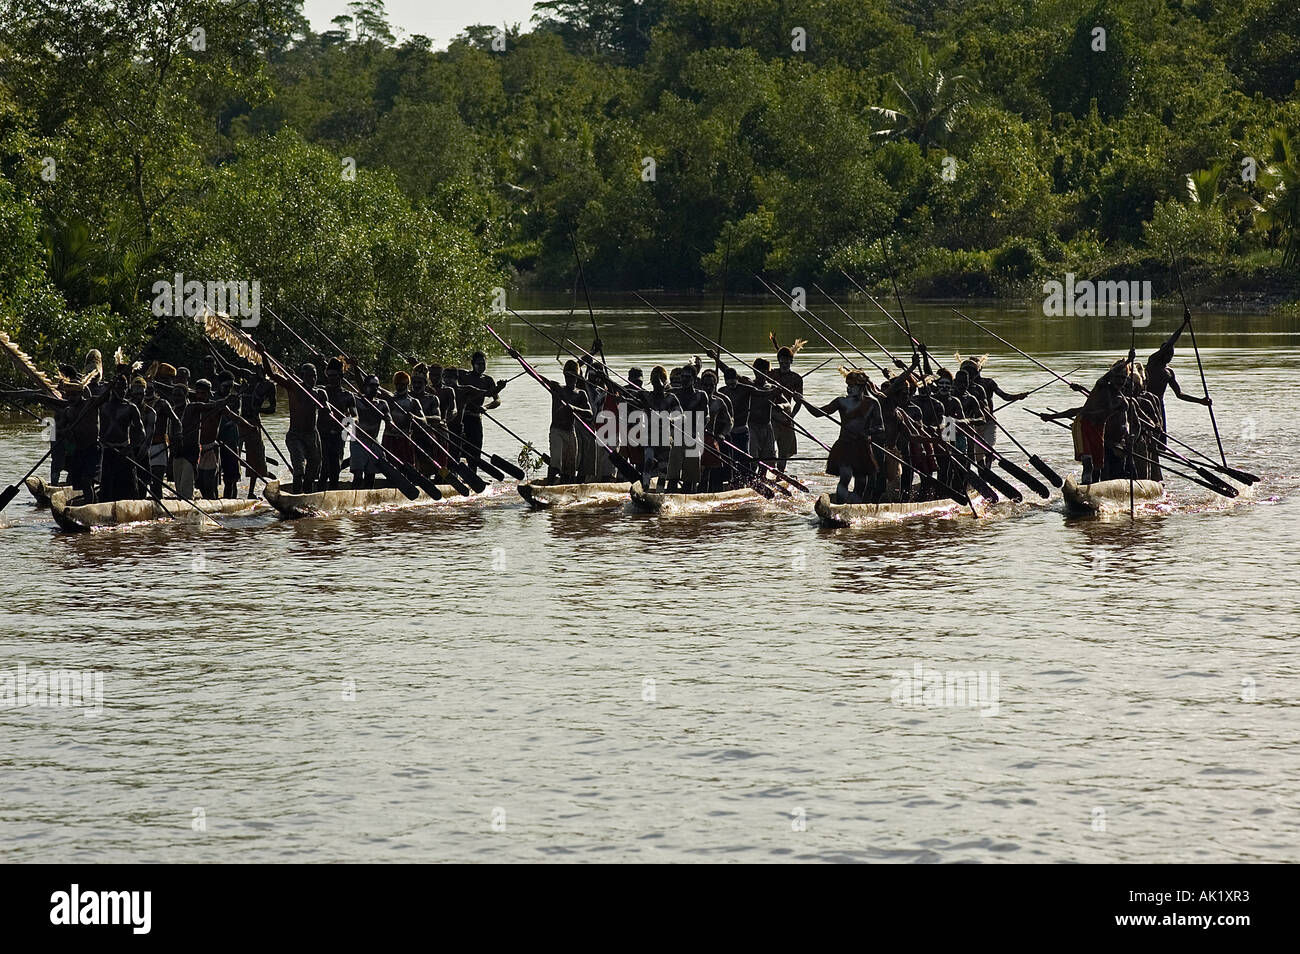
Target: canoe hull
(1107,496)
(85,517)
(847,515)
(541,496)
(324,503)
(654,502)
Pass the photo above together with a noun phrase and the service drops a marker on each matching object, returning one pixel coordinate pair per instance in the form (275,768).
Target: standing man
(330,428)
(306,403)
(789,384)
(473,387)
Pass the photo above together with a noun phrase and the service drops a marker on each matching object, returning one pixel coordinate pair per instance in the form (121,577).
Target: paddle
(494,466)
(726,261)
(884,249)
(1073,385)
(8,494)
(807,317)
(587,295)
(1209,405)
(620,463)
(148,488)
(1218,486)
(421,480)
(566,345)
(690,332)
(884,311)
(527,445)
(1014,469)
(243,345)
(1035,391)
(870,336)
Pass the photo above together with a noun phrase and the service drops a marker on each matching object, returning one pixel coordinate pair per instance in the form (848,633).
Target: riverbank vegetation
(973,147)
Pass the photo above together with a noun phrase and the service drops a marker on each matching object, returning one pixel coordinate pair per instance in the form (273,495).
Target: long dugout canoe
(851,514)
(1107,496)
(543,496)
(652,501)
(83,518)
(345,500)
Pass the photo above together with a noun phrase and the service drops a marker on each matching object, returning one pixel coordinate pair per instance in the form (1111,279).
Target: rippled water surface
(475,681)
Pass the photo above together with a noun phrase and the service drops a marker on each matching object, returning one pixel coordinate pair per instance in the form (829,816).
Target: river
(479,682)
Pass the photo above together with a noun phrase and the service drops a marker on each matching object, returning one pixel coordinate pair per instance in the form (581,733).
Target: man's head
(203,390)
(762,365)
(334,371)
(785,358)
(137,389)
(419,377)
(635,377)
(855,382)
(307,371)
(370,386)
(729,376)
(119,386)
(478,362)
(401,382)
(571,373)
(709,381)
(658,377)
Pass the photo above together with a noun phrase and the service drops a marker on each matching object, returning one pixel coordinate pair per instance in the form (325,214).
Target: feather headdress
(794,348)
(27,367)
(977,360)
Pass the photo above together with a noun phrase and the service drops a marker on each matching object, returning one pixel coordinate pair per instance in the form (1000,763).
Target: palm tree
(1215,195)
(924,107)
(1281,207)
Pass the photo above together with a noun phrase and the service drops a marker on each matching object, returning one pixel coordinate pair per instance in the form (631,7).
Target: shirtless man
(473,387)
(1101,407)
(718,428)
(330,428)
(851,459)
(660,404)
(121,431)
(306,403)
(684,464)
(372,411)
(736,391)
(568,403)
(790,384)
(974,367)
(1159,375)
(256,397)
(406,418)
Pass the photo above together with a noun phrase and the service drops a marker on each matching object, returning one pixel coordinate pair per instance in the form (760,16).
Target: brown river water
(478,682)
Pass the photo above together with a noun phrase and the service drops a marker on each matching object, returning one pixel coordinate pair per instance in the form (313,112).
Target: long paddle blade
(1041,466)
(8,495)
(623,466)
(1025,477)
(1008,489)
(504,465)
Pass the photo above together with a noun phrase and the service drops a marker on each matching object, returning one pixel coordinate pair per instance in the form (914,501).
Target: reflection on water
(675,686)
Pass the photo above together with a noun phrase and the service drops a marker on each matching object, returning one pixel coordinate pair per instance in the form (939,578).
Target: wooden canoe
(344,500)
(85,517)
(1107,496)
(42,491)
(542,496)
(652,501)
(847,515)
